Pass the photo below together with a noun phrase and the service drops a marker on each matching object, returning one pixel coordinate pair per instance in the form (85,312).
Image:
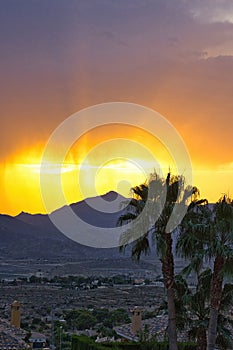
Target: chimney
(136,320)
(15,314)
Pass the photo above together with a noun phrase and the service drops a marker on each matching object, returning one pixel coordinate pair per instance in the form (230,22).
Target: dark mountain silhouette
(35,236)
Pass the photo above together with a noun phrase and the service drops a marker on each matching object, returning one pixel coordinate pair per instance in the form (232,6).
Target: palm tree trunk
(216,293)
(172,335)
(201,339)
(168,276)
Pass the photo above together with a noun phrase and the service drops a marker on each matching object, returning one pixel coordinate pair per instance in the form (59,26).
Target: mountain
(21,240)
(31,241)
(29,236)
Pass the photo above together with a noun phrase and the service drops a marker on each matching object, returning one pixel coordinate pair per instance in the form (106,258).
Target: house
(37,340)
(151,328)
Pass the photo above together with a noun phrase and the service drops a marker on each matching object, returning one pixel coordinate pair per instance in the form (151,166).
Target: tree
(224,337)
(193,235)
(150,211)
(220,249)
(207,233)
(80,319)
(193,307)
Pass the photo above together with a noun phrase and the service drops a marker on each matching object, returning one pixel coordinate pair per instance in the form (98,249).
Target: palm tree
(200,310)
(149,212)
(192,310)
(207,233)
(220,249)
(194,235)
(224,336)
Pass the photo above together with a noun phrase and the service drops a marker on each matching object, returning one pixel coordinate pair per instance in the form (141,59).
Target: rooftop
(11,337)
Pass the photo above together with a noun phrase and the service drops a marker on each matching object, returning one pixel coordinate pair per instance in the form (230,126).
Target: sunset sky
(60,56)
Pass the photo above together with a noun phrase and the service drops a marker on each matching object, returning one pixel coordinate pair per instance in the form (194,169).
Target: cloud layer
(175,56)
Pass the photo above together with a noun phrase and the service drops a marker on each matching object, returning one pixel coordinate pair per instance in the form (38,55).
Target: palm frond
(141,246)
(125,218)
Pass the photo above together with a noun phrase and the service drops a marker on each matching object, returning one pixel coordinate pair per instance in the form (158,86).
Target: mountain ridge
(34,235)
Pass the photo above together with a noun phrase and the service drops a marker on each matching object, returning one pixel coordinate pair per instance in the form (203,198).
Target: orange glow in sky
(86,172)
(100,161)
(59,57)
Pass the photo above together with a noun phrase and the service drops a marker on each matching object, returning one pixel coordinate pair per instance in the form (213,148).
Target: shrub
(85,343)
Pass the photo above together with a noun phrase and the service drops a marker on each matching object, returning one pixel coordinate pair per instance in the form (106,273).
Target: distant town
(95,306)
